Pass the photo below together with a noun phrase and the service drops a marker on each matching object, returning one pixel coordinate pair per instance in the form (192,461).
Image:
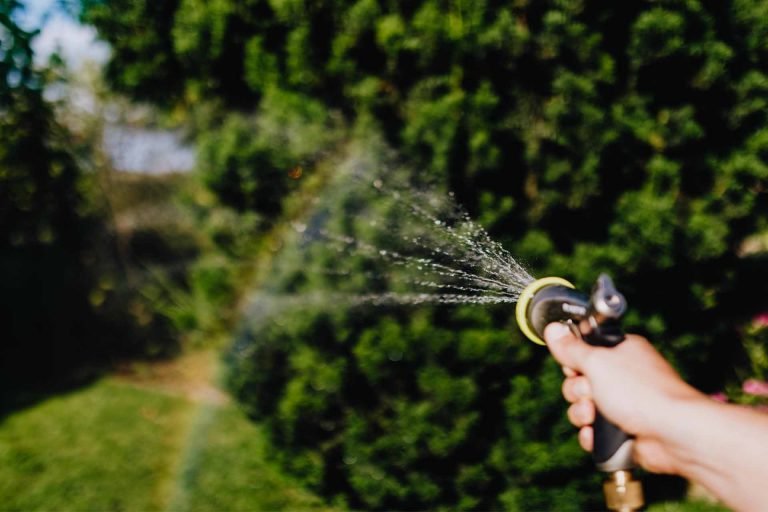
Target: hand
(677,429)
(633,386)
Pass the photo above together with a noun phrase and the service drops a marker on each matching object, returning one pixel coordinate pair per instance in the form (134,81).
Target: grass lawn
(114,446)
(687,506)
(224,469)
(106,447)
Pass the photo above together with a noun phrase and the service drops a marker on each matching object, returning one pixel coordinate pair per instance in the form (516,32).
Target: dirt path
(191,375)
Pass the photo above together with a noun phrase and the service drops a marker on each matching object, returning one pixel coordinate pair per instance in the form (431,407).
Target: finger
(566,348)
(582,413)
(587,438)
(569,372)
(576,388)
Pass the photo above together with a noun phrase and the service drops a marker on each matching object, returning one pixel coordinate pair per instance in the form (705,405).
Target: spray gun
(597,320)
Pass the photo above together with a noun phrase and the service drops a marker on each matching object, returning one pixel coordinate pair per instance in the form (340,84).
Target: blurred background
(155,156)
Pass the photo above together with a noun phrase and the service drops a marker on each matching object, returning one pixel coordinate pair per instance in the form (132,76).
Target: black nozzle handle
(612,449)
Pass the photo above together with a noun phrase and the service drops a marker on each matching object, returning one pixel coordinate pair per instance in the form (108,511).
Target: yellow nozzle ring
(521,310)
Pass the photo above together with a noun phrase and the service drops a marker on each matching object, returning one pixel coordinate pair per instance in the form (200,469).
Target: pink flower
(755,387)
(719,397)
(761,320)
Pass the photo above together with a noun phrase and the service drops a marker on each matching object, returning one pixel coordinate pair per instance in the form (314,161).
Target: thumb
(566,348)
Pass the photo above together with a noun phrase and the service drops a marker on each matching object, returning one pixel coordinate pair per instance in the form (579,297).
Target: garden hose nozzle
(596,318)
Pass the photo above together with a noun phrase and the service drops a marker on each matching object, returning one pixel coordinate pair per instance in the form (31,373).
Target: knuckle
(581,413)
(576,415)
(575,388)
(586,438)
(572,417)
(567,390)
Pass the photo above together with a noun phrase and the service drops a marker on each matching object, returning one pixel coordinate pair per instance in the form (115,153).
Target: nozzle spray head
(553,299)
(547,300)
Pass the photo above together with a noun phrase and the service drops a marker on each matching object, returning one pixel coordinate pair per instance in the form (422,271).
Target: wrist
(682,434)
(723,447)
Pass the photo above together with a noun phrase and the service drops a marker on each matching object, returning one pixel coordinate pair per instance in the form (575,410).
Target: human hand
(677,429)
(632,386)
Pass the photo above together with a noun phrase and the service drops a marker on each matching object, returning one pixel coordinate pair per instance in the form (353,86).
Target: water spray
(596,319)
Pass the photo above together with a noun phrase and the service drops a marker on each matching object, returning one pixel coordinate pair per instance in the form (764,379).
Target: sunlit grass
(114,446)
(224,469)
(687,506)
(106,447)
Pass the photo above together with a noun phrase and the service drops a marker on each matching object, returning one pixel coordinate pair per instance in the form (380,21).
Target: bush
(251,162)
(44,307)
(66,305)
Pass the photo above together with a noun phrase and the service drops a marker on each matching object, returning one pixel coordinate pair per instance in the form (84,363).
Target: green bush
(251,162)
(67,306)
(44,224)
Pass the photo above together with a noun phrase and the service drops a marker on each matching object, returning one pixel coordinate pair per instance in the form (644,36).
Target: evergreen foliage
(62,308)
(588,136)
(44,301)
(251,162)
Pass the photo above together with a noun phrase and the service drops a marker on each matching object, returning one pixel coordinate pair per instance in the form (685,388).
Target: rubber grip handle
(612,447)
(612,450)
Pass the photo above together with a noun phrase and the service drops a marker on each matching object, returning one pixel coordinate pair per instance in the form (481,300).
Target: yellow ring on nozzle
(521,310)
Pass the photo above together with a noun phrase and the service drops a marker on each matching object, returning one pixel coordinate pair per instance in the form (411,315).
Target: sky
(58,30)
(32,12)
